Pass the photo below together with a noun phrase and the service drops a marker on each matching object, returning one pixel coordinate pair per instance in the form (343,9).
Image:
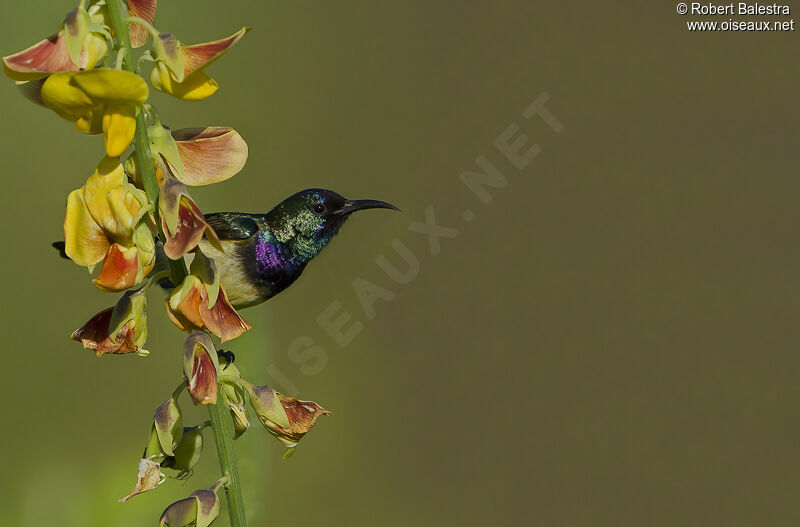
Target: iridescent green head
(307,221)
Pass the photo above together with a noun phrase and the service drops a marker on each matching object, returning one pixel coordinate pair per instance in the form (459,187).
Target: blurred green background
(611,341)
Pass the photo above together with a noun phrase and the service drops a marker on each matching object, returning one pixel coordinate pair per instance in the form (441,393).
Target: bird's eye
(318,208)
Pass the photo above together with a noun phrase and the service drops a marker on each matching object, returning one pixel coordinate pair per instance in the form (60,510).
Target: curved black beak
(353,205)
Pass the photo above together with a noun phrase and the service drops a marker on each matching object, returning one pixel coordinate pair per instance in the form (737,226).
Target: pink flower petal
(200,55)
(145,9)
(47,56)
(210,154)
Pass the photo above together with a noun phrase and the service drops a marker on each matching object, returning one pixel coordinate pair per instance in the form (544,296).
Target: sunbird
(263,254)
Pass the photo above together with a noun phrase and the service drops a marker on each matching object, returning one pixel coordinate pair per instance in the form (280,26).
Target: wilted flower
(98,100)
(148,478)
(80,45)
(118,329)
(106,221)
(181,220)
(199,509)
(200,368)
(188,451)
(200,302)
(287,418)
(179,69)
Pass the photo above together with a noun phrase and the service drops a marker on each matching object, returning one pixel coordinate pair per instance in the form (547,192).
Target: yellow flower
(106,221)
(179,69)
(98,99)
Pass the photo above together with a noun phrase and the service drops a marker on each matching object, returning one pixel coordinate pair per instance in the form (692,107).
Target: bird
(263,254)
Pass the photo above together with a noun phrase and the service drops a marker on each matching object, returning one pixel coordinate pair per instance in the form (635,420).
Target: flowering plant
(134,222)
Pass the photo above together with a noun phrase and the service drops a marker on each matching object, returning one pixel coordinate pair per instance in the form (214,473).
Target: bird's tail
(61,248)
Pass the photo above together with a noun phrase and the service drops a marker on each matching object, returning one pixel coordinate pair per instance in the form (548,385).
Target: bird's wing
(232,225)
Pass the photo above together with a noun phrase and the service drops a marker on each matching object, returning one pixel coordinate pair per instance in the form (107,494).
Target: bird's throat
(274,257)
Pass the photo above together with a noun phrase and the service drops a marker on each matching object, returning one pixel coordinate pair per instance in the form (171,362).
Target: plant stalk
(220,419)
(141,144)
(223,432)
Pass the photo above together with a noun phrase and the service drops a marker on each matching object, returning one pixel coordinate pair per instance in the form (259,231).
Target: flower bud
(188,451)
(235,398)
(153,449)
(200,368)
(148,478)
(199,509)
(241,421)
(168,426)
(265,403)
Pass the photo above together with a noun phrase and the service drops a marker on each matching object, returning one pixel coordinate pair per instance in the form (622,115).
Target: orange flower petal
(120,269)
(184,305)
(222,320)
(187,307)
(178,319)
(210,154)
(145,9)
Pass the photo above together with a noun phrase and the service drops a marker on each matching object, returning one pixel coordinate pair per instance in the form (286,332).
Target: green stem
(141,144)
(223,430)
(220,418)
